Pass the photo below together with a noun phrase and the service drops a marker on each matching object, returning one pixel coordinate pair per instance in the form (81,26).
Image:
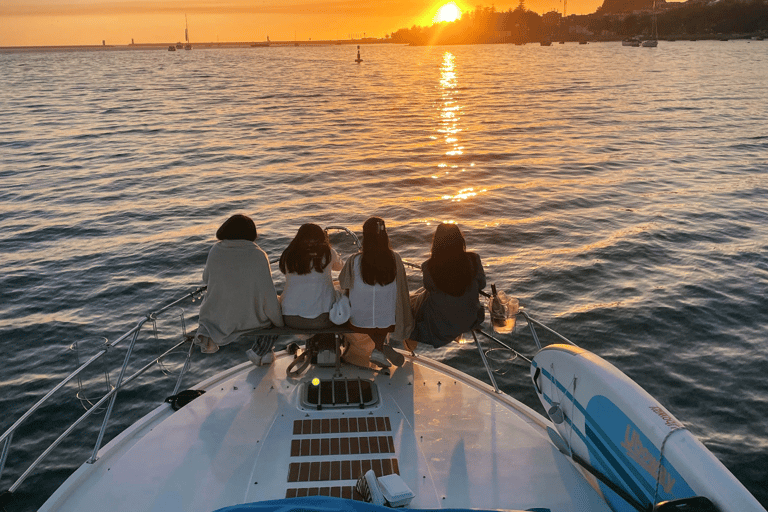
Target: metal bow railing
(109,399)
(7,437)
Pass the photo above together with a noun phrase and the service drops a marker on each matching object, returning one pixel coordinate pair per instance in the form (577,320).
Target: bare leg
(378,340)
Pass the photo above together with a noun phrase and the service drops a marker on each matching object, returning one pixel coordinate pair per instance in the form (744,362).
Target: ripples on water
(620,193)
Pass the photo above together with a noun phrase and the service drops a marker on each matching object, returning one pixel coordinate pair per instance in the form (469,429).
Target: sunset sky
(87,22)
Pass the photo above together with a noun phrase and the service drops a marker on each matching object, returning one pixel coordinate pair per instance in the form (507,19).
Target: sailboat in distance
(186,34)
(653,42)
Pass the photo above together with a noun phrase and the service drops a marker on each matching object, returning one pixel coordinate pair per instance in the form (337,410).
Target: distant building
(579,30)
(627,6)
(551,18)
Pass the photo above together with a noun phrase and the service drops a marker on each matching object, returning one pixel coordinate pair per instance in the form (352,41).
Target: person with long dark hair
(241,295)
(309,293)
(449,303)
(378,293)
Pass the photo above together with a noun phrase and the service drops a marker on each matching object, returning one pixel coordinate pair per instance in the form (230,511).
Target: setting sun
(448,12)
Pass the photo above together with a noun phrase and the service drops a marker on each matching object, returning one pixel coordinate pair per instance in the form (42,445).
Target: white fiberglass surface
(477,452)
(199,458)
(457,446)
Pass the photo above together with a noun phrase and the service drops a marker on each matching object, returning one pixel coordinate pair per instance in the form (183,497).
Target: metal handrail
(110,395)
(118,385)
(7,436)
(531,323)
(64,382)
(485,363)
(349,232)
(122,381)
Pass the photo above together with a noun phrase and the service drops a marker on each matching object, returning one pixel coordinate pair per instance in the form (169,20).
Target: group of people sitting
(241,295)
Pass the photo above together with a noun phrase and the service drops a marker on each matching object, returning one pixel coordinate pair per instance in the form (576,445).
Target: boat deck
(254,436)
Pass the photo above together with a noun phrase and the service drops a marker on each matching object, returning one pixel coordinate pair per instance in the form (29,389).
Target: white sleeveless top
(372,306)
(310,295)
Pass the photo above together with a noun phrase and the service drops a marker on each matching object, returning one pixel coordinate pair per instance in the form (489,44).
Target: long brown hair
(378,261)
(309,249)
(450,265)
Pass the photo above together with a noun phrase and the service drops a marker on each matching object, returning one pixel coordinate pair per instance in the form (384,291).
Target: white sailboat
(653,42)
(186,34)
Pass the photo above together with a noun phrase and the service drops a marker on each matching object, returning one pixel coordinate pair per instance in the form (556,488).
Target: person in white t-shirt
(376,283)
(309,293)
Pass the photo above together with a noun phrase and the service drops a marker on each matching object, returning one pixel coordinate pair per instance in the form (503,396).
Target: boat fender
(693,504)
(179,400)
(556,413)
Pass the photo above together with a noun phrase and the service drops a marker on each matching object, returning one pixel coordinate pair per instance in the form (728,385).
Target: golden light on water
(449,128)
(464,194)
(450,110)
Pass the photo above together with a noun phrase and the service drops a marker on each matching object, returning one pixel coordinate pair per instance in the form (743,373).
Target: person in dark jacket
(449,303)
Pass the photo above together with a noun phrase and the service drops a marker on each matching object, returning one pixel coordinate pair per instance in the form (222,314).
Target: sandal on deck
(379,359)
(394,357)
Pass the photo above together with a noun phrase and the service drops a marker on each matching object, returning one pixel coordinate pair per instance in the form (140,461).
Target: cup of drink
(503,312)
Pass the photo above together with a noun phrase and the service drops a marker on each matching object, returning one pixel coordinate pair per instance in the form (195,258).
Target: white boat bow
(259,438)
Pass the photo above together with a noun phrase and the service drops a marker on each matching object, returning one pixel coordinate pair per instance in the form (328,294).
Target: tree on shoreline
(615,19)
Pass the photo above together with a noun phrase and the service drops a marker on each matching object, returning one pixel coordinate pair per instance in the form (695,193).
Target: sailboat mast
(186,28)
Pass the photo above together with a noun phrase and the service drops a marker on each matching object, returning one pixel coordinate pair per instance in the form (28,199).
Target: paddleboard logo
(669,420)
(640,454)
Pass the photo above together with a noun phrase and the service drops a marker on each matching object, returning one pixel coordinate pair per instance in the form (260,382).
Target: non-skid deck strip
(346,492)
(334,447)
(330,470)
(341,446)
(342,425)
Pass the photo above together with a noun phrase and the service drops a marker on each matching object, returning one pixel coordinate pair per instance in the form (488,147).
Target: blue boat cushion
(328,504)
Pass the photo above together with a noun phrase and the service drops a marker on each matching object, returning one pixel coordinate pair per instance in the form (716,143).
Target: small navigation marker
(358,59)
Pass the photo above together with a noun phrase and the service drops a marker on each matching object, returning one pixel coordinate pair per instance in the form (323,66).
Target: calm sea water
(620,193)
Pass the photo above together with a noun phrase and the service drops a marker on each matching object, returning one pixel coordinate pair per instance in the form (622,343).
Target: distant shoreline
(164,46)
(339,42)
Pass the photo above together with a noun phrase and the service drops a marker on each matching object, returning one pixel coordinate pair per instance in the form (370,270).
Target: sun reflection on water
(463,194)
(450,110)
(449,130)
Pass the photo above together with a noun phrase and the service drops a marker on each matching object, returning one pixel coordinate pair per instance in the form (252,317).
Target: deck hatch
(340,393)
